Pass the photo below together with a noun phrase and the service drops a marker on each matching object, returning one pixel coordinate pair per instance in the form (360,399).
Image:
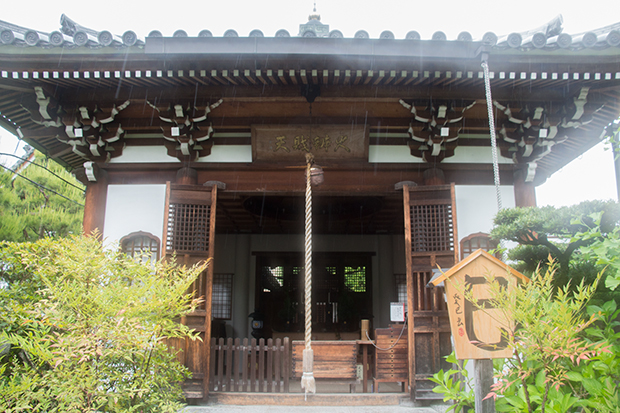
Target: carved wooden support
(528,134)
(186,130)
(90,132)
(434,130)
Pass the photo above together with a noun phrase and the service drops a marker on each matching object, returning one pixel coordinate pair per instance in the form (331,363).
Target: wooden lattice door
(189,225)
(430,241)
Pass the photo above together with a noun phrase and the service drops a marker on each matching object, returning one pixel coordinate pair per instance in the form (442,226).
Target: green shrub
(84,329)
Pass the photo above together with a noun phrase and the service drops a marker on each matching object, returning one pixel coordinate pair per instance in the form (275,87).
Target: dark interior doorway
(341,291)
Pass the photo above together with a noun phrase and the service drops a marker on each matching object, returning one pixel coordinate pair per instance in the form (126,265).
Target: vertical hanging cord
(308,254)
(308,244)
(307,379)
(487,87)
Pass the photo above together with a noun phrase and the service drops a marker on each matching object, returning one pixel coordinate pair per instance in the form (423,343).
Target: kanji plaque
(291,142)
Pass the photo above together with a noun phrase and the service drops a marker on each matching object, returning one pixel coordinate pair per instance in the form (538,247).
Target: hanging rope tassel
(307,379)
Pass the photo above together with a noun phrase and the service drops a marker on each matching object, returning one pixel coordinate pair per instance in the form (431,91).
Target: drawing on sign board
(476,314)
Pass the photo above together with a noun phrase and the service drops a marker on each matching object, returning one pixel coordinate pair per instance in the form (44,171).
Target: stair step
(299,399)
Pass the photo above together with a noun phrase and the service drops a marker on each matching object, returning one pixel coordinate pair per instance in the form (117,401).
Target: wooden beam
(347,77)
(518,96)
(292,76)
(249,77)
(358,77)
(228,76)
(379,78)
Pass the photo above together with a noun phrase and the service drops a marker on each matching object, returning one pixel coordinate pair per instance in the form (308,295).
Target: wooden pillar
(525,192)
(410,295)
(209,296)
(187,176)
(96,181)
(434,176)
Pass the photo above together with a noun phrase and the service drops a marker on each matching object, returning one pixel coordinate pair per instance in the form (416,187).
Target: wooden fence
(249,367)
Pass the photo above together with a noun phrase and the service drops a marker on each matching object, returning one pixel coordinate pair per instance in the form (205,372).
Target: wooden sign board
(325,142)
(478,332)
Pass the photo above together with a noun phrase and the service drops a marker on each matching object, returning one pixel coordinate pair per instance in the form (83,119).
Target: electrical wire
(41,186)
(48,170)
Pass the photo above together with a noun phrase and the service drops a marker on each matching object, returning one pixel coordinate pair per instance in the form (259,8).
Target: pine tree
(37,203)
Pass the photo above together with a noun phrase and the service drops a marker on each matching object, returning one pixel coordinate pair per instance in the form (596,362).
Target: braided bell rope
(487,89)
(308,252)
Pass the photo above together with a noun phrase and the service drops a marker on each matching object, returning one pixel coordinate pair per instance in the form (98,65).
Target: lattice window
(140,242)
(188,228)
(355,279)
(222,296)
(432,228)
(476,241)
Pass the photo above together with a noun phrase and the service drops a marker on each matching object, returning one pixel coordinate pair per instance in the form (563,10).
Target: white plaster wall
(154,154)
(476,206)
(401,154)
(131,208)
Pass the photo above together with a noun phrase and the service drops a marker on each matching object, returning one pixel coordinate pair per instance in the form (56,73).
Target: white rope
(307,379)
(308,263)
(487,87)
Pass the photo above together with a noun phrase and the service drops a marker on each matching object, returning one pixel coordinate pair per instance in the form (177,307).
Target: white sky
(591,177)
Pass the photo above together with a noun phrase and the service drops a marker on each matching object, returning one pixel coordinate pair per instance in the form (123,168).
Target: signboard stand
(483,379)
(479,330)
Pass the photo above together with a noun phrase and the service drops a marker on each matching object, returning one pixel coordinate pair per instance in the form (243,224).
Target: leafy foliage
(85,329)
(604,250)
(548,344)
(548,231)
(455,385)
(29,212)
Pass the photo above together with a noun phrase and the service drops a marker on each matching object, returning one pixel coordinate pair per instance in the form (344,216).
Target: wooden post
(209,290)
(525,192)
(96,181)
(434,176)
(187,176)
(410,293)
(483,379)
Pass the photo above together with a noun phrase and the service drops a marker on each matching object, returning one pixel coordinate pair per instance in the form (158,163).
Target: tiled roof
(547,37)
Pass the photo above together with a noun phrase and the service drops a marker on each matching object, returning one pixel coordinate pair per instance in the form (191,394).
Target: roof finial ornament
(314,15)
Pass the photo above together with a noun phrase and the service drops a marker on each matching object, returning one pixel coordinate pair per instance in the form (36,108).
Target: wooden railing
(249,367)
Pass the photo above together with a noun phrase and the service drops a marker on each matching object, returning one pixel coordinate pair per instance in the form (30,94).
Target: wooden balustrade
(249,367)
